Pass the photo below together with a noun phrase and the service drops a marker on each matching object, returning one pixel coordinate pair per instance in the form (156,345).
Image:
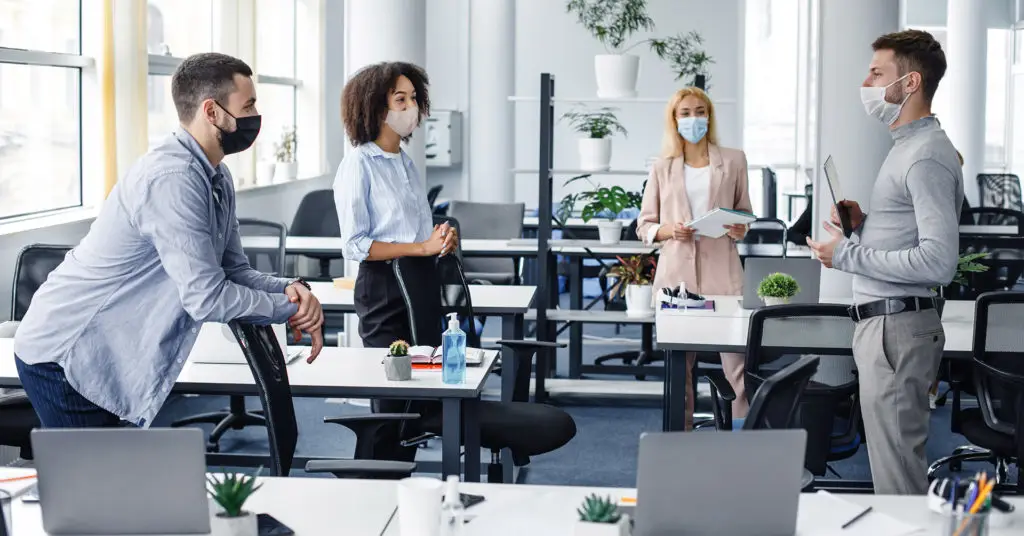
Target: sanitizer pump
(453,352)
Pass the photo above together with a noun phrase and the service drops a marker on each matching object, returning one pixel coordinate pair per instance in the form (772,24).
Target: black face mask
(240,139)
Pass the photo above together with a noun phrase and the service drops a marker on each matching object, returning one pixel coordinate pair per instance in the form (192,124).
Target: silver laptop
(741,483)
(122,480)
(217,344)
(807,273)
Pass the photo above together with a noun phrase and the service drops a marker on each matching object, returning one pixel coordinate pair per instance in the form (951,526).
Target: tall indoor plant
(636,278)
(599,126)
(600,202)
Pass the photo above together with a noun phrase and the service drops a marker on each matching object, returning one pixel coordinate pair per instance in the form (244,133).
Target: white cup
(419,506)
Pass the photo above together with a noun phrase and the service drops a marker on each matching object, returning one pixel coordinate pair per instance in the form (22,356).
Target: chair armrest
(362,468)
(8,329)
(724,388)
(531,345)
(355,420)
(14,397)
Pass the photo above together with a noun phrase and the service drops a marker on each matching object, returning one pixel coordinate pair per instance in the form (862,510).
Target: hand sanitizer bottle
(453,513)
(453,352)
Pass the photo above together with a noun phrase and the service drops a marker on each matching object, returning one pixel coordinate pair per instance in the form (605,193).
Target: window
(276,72)
(40,106)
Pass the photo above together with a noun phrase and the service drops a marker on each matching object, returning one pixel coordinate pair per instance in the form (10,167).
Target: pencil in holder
(959,523)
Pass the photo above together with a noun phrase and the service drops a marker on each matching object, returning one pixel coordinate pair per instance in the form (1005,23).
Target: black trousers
(383,318)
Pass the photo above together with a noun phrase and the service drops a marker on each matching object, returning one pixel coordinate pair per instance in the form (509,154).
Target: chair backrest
(439,219)
(432,194)
(775,403)
(1000,190)
(34,264)
(269,370)
(994,216)
(766,231)
(770,195)
(493,221)
(267,260)
(317,215)
(999,360)
(417,280)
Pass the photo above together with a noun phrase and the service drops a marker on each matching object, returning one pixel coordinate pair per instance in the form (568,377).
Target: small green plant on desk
(231,491)
(777,288)
(398,363)
(600,516)
(398,348)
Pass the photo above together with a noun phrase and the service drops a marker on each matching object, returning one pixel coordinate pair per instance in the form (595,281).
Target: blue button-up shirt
(122,312)
(380,198)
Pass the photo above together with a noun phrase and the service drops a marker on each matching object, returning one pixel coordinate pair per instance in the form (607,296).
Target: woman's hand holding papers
(736,232)
(681,232)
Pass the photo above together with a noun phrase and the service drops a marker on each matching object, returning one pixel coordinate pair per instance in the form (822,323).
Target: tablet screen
(832,179)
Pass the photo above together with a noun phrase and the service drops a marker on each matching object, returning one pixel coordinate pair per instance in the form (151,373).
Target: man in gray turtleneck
(904,248)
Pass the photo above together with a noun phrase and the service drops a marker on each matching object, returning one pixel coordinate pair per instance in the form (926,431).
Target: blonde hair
(672,142)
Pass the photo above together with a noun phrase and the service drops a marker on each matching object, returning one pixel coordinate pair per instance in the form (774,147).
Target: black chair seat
(525,428)
(973,427)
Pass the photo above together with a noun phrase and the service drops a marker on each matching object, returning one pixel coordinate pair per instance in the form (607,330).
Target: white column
(857,142)
(492,59)
(966,45)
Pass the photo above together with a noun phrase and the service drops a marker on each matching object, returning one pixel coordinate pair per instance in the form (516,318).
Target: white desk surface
(341,372)
(1007,230)
(725,328)
(592,316)
(487,299)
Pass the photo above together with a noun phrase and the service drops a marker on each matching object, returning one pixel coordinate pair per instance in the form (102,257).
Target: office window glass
(275,43)
(179,28)
(276,103)
(771,65)
(45,25)
(163,117)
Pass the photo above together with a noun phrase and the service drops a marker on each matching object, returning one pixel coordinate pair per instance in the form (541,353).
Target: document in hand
(713,223)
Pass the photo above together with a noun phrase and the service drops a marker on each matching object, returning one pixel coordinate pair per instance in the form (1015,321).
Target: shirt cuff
(358,249)
(283,308)
(839,254)
(652,233)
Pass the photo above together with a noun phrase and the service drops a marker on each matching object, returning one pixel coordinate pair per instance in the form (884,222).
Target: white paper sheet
(713,223)
(823,514)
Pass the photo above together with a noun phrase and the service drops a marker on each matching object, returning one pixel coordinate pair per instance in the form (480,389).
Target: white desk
(1003,230)
(488,300)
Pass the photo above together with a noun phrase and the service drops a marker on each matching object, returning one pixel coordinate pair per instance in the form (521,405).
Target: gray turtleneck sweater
(910,242)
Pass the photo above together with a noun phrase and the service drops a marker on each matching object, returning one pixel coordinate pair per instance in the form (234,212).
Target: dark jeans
(57,403)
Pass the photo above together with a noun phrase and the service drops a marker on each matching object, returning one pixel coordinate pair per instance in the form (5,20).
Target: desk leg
(575,328)
(471,427)
(511,330)
(674,398)
(451,444)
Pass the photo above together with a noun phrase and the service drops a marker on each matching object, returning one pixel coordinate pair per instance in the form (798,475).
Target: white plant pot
(595,154)
(285,171)
(583,528)
(265,172)
(609,232)
(639,300)
(616,75)
(771,300)
(244,525)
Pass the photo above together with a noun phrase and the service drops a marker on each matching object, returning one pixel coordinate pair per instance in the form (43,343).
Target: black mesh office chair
(34,264)
(775,403)
(501,221)
(526,429)
(767,231)
(1000,190)
(770,192)
(432,194)
(317,215)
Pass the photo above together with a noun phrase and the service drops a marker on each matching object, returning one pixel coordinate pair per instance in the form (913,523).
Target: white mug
(419,506)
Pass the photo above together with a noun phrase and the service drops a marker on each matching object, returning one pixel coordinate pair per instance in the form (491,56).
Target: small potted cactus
(600,516)
(398,363)
(230,492)
(777,289)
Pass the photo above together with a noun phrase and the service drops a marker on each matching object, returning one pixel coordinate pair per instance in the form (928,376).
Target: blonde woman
(696,175)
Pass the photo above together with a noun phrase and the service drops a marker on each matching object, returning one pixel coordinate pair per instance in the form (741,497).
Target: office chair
(767,231)
(829,411)
(770,192)
(994,216)
(33,266)
(432,194)
(502,221)
(775,403)
(526,429)
(1001,190)
(317,215)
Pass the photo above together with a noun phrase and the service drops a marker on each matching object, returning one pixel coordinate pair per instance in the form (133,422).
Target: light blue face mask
(692,129)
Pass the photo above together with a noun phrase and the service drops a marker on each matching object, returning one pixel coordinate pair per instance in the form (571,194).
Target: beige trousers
(732,366)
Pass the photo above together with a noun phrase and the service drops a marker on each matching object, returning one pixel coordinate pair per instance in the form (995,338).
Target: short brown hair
(208,75)
(916,50)
(364,101)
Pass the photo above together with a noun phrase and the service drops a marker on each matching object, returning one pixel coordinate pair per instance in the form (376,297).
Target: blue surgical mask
(692,129)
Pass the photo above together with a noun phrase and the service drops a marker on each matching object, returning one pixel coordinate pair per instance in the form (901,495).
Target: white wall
(998,13)
(448,69)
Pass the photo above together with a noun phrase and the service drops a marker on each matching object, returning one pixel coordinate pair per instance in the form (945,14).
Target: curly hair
(364,100)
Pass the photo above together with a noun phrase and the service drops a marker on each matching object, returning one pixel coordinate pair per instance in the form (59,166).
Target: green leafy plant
(232,490)
(778,285)
(599,124)
(284,150)
(635,270)
(599,510)
(685,54)
(398,348)
(966,265)
(600,201)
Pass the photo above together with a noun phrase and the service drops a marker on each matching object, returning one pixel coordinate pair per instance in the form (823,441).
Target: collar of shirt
(189,142)
(375,151)
(927,122)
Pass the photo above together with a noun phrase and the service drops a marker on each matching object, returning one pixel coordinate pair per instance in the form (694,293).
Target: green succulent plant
(231,490)
(599,510)
(778,285)
(398,348)
(600,201)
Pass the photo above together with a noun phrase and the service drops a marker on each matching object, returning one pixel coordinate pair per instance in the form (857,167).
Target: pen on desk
(856,517)
(16,479)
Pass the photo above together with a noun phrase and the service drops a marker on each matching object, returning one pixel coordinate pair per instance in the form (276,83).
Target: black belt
(890,306)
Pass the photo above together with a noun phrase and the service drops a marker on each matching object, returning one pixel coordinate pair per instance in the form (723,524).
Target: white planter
(265,172)
(616,75)
(583,528)
(285,171)
(595,154)
(244,525)
(609,232)
(639,300)
(770,300)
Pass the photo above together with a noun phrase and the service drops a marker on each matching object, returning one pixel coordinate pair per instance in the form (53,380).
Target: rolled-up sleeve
(351,195)
(648,222)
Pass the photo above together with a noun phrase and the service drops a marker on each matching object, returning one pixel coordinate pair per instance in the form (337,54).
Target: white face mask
(876,106)
(403,122)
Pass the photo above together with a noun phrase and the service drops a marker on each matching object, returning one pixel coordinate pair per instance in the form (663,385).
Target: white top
(698,190)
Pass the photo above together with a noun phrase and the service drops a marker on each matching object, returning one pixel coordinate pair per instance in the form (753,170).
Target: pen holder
(957,523)
(398,368)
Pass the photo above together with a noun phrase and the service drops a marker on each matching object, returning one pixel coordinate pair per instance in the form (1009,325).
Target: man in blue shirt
(109,332)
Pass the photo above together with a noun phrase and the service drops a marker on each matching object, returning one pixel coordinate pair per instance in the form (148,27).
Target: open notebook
(430,355)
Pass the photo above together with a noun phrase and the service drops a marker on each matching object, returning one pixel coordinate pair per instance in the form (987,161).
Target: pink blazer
(706,265)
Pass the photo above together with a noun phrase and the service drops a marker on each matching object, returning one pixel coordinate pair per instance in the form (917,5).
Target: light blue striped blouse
(380,197)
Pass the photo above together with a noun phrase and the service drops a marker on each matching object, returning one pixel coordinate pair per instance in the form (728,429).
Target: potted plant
(612,22)
(966,264)
(602,202)
(230,492)
(596,148)
(635,277)
(777,289)
(286,169)
(398,362)
(600,516)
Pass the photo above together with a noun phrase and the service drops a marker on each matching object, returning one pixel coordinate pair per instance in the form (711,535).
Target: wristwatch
(302,282)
